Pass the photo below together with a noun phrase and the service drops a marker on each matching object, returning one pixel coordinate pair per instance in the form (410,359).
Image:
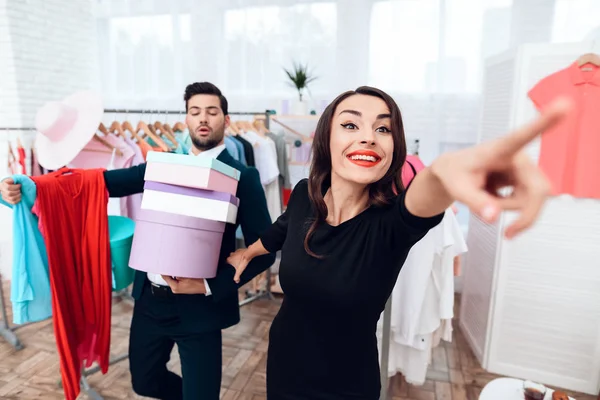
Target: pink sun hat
(65,127)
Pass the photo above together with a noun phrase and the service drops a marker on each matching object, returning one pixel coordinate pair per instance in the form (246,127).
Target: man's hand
(185,285)
(11,192)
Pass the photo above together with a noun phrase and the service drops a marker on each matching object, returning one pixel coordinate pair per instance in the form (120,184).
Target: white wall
(47,51)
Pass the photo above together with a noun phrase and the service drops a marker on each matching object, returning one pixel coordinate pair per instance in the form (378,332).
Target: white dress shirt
(212,153)
(423,301)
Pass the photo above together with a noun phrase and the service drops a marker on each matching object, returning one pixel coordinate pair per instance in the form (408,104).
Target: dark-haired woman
(346,233)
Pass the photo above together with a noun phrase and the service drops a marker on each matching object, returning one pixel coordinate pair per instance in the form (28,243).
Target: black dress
(322,343)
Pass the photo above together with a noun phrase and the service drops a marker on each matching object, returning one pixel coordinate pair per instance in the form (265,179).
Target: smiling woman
(359,140)
(337,277)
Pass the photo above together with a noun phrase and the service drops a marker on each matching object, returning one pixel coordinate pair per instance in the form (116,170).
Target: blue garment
(30,285)
(184,139)
(232,148)
(241,150)
(30,292)
(180,149)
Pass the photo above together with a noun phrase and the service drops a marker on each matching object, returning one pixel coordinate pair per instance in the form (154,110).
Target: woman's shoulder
(300,193)
(302,185)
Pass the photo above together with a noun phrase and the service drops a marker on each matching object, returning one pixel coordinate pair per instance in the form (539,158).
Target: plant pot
(300,107)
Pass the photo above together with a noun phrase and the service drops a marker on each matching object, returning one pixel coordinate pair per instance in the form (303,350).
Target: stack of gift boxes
(186,203)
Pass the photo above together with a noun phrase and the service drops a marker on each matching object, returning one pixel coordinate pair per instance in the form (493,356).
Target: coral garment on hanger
(411,167)
(79,261)
(569,152)
(145,147)
(22,157)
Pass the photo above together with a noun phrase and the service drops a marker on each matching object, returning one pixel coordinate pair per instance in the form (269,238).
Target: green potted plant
(300,77)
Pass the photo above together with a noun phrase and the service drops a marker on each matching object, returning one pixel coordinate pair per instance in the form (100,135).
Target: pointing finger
(479,202)
(512,143)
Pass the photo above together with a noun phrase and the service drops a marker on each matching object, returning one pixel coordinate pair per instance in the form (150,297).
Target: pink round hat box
(176,245)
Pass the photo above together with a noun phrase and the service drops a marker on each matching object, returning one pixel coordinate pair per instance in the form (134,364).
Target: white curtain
(428,54)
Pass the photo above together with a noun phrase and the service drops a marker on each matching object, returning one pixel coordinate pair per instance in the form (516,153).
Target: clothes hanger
(260,127)
(157,139)
(11,155)
(179,126)
(165,132)
(143,127)
(148,130)
(295,132)
(234,128)
(116,128)
(588,58)
(158,127)
(170,133)
(245,125)
(103,129)
(168,127)
(127,126)
(106,144)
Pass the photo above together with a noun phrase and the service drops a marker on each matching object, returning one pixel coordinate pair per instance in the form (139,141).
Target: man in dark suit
(189,312)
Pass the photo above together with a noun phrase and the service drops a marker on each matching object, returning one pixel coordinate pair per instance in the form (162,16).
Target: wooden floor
(32,373)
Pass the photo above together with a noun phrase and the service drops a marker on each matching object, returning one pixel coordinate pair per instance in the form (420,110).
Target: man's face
(205,121)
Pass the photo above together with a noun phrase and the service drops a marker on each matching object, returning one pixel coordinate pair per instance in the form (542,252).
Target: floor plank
(33,373)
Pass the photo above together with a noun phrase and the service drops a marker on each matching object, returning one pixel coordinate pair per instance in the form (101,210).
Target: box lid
(184,159)
(187,191)
(182,221)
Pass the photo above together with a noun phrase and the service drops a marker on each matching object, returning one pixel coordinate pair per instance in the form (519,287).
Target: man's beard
(204,144)
(207,143)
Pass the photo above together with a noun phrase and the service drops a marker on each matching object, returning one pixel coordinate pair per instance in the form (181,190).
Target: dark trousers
(155,328)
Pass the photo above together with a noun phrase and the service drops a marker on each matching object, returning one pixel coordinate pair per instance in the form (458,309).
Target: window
(261,41)
(575,20)
(403,46)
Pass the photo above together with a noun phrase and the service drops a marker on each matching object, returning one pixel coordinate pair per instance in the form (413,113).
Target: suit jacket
(220,310)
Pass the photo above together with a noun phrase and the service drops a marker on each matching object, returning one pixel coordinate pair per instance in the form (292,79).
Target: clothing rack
(16,129)
(172,112)
(263,293)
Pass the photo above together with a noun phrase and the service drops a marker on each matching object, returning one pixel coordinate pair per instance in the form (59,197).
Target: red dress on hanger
(72,210)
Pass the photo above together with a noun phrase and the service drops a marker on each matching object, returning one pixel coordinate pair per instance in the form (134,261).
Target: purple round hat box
(176,245)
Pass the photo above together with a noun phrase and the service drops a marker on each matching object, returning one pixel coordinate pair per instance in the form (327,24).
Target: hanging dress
(72,210)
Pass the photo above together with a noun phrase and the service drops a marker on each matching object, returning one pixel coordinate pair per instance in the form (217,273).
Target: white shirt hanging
(423,300)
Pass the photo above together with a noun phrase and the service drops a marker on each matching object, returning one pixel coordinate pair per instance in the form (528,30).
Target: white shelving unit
(531,306)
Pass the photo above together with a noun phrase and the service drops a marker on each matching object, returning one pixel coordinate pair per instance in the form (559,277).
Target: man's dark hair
(204,88)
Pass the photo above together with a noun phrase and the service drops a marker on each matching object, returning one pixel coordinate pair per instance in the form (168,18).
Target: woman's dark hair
(381,192)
